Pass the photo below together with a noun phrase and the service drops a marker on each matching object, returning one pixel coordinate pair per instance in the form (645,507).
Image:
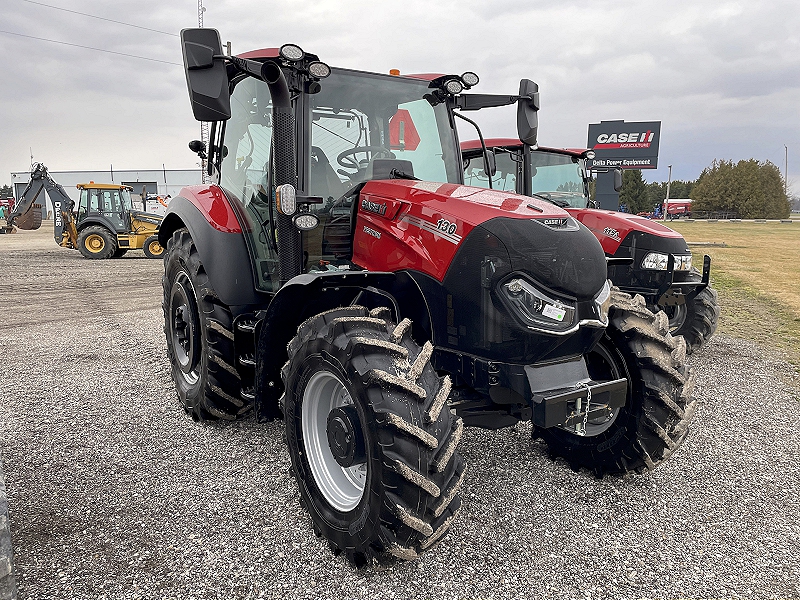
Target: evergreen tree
(634,193)
(750,188)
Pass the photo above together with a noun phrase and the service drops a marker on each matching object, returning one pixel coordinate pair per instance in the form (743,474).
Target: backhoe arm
(24,217)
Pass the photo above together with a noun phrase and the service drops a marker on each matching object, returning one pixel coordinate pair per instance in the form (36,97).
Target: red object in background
(410,135)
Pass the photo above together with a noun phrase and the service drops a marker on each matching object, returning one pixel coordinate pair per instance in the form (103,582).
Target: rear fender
(221,247)
(307,295)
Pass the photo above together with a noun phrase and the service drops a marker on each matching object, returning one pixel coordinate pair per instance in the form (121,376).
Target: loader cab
(107,204)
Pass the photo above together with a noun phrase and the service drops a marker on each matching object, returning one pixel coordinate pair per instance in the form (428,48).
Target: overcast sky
(722,77)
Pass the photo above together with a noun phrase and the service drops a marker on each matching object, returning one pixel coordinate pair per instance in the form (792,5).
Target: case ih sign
(618,144)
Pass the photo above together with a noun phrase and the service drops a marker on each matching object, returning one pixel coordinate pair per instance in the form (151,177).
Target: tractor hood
(440,228)
(612,228)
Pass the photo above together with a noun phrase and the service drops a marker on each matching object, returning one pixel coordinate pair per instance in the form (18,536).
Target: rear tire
(655,419)
(386,483)
(152,248)
(199,331)
(97,242)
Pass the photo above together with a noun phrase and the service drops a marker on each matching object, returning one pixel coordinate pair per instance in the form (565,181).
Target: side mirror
(617,180)
(527,112)
(491,163)
(206,76)
(199,148)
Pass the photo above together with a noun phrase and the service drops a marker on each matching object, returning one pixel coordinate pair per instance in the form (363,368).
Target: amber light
(394,71)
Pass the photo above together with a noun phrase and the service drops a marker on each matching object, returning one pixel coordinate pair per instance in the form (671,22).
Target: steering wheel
(347,158)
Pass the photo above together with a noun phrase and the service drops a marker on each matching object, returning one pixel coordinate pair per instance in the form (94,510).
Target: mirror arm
(483,146)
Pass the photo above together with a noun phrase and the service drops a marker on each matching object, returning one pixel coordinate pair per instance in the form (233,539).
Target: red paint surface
(405,245)
(515,144)
(598,220)
(262,53)
(215,207)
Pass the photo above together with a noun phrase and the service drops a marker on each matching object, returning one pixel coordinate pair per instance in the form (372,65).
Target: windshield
(558,177)
(365,125)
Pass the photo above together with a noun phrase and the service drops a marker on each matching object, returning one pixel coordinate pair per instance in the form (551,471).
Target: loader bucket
(30,219)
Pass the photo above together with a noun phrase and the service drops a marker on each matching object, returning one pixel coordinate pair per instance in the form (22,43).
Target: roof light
(292,52)
(286,199)
(454,86)
(394,71)
(470,79)
(319,69)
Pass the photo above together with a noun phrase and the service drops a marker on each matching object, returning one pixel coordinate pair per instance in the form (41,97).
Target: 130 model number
(446,226)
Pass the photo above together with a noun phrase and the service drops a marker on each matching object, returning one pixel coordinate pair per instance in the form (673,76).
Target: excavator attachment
(30,219)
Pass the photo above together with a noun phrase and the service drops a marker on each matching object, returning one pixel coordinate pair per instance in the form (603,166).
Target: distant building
(160,182)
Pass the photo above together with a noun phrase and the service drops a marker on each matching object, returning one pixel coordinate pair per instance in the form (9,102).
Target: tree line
(749,188)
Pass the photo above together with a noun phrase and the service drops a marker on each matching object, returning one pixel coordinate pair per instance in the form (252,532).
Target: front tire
(96,242)
(659,406)
(199,331)
(696,320)
(370,435)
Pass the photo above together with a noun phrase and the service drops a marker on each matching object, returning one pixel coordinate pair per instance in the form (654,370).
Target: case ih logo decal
(624,140)
(618,144)
(373,207)
(442,228)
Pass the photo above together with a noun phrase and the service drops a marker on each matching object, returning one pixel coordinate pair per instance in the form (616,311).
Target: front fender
(223,252)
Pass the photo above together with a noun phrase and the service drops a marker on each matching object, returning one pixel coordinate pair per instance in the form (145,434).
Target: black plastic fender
(224,255)
(305,296)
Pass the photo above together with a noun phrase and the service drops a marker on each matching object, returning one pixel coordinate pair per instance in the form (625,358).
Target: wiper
(398,174)
(558,202)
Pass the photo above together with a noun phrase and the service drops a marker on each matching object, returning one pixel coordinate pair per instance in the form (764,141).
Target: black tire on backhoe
(199,331)
(120,253)
(152,248)
(400,492)
(97,242)
(697,320)
(637,345)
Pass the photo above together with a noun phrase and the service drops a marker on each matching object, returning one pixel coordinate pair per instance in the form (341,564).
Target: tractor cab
(106,203)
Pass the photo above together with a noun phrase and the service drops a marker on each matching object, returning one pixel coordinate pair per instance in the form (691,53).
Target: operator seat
(324,180)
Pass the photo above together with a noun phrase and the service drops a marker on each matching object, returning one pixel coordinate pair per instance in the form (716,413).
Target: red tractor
(338,273)
(647,258)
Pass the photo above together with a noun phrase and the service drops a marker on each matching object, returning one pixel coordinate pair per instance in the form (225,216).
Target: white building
(161,182)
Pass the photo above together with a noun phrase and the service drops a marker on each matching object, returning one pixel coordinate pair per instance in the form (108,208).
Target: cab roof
(102,186)
(515,143)
(275,53)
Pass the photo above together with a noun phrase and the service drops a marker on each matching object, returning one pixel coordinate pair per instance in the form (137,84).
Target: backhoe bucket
(30,219)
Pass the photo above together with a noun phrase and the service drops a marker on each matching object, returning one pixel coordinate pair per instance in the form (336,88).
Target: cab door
(113,209)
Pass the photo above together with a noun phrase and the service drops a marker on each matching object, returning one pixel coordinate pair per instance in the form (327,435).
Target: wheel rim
(155,248)
(94,243)
(603,365)
(342,487)
(184,328)
(677,316)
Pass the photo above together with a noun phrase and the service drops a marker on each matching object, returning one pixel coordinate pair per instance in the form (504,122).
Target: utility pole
(203,126)
(786,170)
(669,182)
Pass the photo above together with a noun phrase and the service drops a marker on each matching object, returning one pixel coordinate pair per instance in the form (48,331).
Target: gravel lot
(115,493)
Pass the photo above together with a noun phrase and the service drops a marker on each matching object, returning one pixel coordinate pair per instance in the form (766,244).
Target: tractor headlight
(683,262)
(655,261)
(603,302)
(286,199)
(305,221)
(535,308)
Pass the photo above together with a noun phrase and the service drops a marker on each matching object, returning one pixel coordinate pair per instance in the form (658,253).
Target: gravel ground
(115,493)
